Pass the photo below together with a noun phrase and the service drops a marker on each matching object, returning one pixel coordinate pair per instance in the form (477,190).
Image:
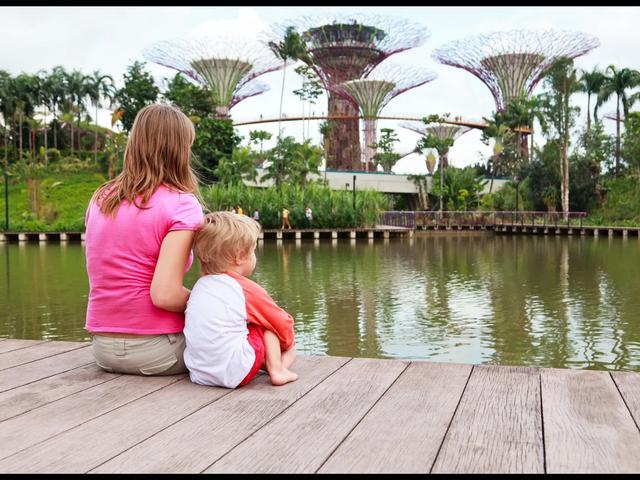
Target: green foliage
(139,90)
(311,85)
(193,100)
(461,187)
(386,156)
(631,138)
(215,139)
(290,161)
(241,166)
(621,205)
(331,209)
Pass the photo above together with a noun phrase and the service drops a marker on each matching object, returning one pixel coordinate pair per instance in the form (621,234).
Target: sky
(111,38)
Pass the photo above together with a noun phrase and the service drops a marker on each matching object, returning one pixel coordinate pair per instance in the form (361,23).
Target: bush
(331,208)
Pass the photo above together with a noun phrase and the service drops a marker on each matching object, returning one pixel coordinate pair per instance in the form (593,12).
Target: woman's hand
(167,291)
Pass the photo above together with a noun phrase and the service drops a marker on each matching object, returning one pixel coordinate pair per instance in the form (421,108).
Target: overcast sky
(111,38)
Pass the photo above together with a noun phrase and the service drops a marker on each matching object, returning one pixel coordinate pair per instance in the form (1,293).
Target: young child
(232,326)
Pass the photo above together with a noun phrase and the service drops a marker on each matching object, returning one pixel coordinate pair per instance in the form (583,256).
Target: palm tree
(618,82)
(58,94)
(7,106)
(99,86)
(591,83)
(76,83)
(291,47)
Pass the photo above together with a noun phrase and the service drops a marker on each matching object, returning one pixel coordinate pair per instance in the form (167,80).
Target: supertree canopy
(227,68)
(512,63)
(439,130)
(373,93)
(345,47)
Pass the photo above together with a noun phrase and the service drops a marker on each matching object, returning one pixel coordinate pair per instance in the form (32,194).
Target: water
(505,300)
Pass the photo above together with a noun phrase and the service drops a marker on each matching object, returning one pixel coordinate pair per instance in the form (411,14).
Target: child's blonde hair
(222,236)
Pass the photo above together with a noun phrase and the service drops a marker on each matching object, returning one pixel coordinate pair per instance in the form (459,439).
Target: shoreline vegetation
(65,190)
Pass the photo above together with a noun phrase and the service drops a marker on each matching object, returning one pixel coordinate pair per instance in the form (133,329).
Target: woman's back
(122,253)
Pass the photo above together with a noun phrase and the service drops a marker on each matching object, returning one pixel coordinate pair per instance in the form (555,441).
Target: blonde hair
(222,236)
(158,152)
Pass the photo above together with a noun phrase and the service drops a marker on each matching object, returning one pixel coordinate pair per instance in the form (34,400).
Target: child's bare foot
(282,377)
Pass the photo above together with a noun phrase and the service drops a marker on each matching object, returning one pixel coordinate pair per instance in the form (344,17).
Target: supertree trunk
(369,139)
(344,148)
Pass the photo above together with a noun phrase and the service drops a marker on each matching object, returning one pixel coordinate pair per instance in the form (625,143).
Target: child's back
(218,352)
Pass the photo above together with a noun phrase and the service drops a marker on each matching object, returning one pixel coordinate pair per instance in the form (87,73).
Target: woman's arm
(167,291)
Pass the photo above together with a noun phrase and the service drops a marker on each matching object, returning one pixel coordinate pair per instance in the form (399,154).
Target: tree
(241,166)
(58,94)
(192,99)
(561,81)
(292,47)
(499,131)
(259,136)
(591,83)
(100,86)
(618,82)
(290,161)
(139,91)
(216,139)
(386,157)
(77,89)
(442,146)
(311,89)
(460,187)
(632,140)
(306,159)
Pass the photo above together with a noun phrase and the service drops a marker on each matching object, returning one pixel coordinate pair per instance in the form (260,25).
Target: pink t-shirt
(122,253)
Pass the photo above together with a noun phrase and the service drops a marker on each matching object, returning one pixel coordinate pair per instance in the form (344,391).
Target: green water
(507,300)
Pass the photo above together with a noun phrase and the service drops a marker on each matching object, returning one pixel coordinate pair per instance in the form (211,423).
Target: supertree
(343,47)
(373,93)
(441,131)
(226,67)
(512,63)
(440,136)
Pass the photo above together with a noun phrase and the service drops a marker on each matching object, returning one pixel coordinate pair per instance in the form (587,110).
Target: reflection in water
(510,300)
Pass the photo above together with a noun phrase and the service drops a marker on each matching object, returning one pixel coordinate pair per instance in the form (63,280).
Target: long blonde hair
(158,152)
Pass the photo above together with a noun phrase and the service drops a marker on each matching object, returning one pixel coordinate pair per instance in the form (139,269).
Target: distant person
(233,210)
(233,327)
(308,215)
(239,210)
(139,233)
(256,215)
(285,218)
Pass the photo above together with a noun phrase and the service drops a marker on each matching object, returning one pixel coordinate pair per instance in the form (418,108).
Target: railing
(432,219)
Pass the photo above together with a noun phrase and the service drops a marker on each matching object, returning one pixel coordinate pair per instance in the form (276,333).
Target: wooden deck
(61,413)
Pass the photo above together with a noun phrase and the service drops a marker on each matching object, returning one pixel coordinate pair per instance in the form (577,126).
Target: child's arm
(262,310)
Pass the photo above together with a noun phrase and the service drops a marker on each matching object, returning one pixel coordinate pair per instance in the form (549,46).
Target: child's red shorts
(256,340)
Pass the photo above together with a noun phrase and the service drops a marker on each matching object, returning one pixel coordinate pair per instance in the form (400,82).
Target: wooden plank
(88,445)
(36,352)
(497,427)
(628,384)
(12,344)
(40,424)
(587,426)
(217,428)
(31,372)
(404,431)
(20,400)
(303,436)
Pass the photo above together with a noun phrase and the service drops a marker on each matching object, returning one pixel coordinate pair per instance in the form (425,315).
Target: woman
(139,233)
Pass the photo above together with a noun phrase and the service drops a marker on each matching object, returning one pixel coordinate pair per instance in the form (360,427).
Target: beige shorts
(154,355)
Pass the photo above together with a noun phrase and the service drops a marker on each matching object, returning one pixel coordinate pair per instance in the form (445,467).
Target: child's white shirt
(217,352)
